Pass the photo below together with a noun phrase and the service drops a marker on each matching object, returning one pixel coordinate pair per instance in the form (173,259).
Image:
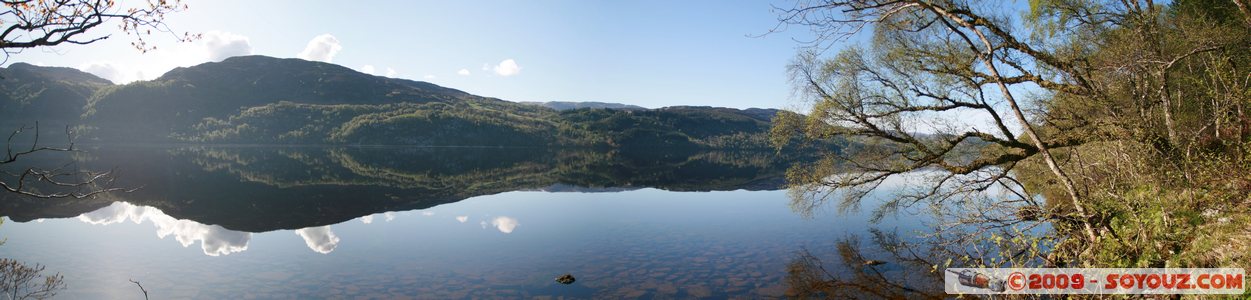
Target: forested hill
(53,96)
(258,99)
(566,105)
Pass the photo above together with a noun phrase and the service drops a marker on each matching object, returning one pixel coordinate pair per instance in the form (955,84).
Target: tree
(30,24)
(1083,102)
(20,281)
(59,182)
(929,58)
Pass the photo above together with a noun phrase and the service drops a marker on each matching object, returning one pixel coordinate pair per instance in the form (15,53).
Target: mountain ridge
(251,99)
(55,94)
(568,105)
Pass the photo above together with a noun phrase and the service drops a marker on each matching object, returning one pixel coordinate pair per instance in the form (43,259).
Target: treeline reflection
(258,189)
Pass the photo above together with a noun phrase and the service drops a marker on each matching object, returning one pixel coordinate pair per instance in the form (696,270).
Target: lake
(243,222)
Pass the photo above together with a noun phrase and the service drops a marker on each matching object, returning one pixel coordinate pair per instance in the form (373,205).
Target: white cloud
(371,70)
(505,224)
(486,67)
(117,73)
(427,213)
(107,70)
(213,46)
(463,72)
(506,68)
(320,238)
(367,219)
(462,219)
(388,216)
(214,240)
(428,77)
(221,45)
(322,48)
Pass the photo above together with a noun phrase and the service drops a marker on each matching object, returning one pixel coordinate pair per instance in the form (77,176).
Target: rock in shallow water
(565,279)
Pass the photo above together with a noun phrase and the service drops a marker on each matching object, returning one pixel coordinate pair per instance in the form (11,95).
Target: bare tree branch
(60,182)
(46,23)
(145,291)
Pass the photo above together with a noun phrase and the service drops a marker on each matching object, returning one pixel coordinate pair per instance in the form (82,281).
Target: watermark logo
(1094,281)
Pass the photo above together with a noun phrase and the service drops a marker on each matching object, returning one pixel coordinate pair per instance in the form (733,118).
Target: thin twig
(145,291)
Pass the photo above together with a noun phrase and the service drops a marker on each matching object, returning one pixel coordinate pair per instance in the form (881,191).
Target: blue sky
(648,53)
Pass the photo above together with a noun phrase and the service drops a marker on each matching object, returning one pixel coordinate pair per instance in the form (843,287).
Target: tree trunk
(1167,101)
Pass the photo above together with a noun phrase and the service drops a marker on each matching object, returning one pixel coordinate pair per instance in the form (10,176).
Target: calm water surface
(318,222)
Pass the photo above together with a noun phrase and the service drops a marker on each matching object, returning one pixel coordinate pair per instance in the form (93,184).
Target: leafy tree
(1104,107)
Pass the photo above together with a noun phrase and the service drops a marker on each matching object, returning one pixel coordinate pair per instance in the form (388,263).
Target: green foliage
(483,124)
(396,124)
(670,127)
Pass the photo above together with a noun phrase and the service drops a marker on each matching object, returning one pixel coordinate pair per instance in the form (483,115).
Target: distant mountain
(265,100)
(217,102)
(672,127)
(567,105)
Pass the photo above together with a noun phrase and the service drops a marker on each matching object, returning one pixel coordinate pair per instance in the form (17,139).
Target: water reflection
(505,224)
(964,225)
(888,268)
(320,238)
(622,252)
(646,243)
(387,216)
(259,189)
(213,239)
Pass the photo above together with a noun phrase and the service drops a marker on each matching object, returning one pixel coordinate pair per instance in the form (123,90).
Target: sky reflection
(505,224)
(214,240)
(319,239)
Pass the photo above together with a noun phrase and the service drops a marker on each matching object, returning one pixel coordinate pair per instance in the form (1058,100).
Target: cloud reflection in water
(505,224)
(387,216)
(214,240)
(320,238)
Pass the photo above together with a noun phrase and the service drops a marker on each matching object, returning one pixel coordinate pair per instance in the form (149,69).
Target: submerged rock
(565,279)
